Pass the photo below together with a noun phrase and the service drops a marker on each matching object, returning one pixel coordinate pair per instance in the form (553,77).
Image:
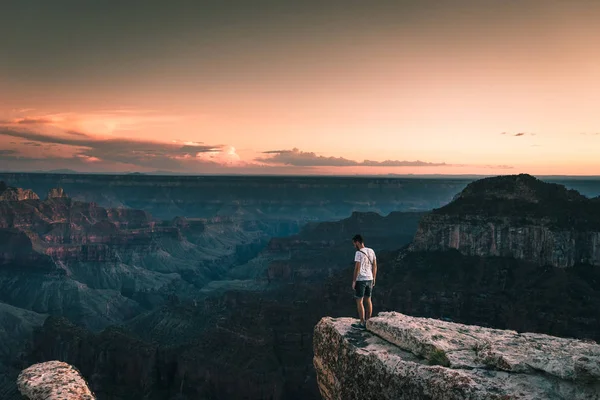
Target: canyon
(102,265)
(211,306)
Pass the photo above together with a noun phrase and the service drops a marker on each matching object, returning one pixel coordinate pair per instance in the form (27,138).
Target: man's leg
(368,305)
(359,293)
(368,308)
(361,309)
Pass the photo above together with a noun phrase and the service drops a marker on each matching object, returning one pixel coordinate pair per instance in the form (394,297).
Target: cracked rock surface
(402,357)
(53,380)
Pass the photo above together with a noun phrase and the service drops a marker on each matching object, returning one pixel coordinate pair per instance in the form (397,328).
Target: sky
(485,87)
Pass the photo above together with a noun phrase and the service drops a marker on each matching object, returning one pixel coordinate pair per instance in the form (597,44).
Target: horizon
(225,175)
(457,88)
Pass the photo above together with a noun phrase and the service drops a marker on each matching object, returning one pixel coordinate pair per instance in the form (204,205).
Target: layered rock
(56,193)
(516,216)
(101,266)
(402,357)
(8,193)
(53,380)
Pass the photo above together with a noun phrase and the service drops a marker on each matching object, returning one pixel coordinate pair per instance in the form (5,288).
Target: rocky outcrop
(516,216)
(53,380)
(56,193)
(8,193)
(402,357)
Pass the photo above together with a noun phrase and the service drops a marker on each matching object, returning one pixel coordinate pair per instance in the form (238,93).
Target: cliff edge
(53,380)
(402,357)
(516,216)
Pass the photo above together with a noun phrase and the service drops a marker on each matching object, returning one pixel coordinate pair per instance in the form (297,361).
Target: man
(365,273)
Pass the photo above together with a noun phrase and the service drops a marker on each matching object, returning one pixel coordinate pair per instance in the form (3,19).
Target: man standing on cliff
(365,272)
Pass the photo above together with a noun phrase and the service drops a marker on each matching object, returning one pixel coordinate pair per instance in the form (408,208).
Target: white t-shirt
(366,257)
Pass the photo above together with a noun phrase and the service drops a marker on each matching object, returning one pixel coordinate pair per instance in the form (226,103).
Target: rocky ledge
(53,380)
(402,357)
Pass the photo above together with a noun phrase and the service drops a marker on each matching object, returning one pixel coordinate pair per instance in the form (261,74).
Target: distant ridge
(390,175)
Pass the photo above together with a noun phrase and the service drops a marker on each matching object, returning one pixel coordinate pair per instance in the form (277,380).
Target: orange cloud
(297,157)
(104,122)
(33,121)
(141,153)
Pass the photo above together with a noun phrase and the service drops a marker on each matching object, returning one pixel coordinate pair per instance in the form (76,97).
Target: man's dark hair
(357,238)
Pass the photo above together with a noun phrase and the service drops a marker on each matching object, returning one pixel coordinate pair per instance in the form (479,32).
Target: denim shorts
(363,289)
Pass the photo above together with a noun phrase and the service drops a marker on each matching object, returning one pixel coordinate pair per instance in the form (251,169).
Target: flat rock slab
(393,360)
(53,380)
(468,346)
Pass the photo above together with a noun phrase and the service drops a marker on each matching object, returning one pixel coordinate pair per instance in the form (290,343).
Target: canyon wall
(516,216)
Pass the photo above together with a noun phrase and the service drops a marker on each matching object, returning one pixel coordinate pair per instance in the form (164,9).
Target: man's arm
(374,271)
(356,271)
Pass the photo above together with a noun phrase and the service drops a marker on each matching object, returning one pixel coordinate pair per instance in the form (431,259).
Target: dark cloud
(33,121)
(518,134)
(75,133)
(278,151)
(127,151)
(7,152)
(34,144)
(299,158)
(296,157)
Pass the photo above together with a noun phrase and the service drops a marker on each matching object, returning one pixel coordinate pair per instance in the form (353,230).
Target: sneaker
(360,325)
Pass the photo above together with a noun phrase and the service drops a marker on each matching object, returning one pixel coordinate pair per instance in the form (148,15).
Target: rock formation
(53,380)
(77,259)
(516,216)
(402,357)
(56,193)
(8,193)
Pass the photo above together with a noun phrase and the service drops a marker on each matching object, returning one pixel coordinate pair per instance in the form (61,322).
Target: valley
(199,306)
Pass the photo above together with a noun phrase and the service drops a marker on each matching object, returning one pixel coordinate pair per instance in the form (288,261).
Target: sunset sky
(301,87)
